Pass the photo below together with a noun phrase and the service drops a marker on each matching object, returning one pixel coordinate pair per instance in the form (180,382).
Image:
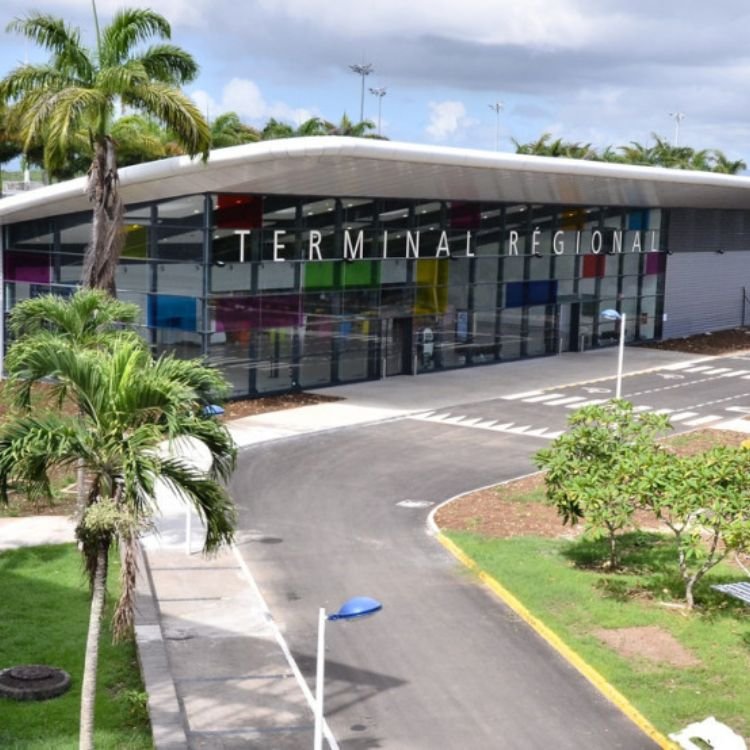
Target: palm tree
(128,404)
(138,140)
(276,129)
(726,166)
(228,130)
(353,129)
(78,91)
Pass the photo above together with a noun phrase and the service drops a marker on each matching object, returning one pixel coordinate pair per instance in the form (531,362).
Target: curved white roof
(351,167)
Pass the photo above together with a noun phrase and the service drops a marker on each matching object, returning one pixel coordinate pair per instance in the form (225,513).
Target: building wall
(288,291)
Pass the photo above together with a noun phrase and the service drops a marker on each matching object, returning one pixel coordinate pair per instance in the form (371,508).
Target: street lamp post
(355,608)
(497,107)
(614,315)
(363,70)
(380,93)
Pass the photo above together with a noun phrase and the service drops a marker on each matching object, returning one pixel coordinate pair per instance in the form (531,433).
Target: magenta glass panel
(656,263)
(270,311)
(20,266)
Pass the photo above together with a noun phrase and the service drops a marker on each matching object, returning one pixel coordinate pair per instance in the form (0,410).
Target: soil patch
(518,508)
(650,642)
(714,343)
(251,406)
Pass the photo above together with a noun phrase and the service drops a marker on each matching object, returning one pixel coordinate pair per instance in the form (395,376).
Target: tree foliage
(659,154)
(593,469)
(70,101)
(610,464)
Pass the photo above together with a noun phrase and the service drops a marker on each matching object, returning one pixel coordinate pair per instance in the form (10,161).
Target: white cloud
(447,119)
(543,23)
(244,97)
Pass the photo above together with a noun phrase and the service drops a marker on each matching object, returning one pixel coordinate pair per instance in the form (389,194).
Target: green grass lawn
(561,582)
(45,607)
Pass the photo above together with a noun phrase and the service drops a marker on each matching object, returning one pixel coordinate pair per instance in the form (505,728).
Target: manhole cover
(33,682)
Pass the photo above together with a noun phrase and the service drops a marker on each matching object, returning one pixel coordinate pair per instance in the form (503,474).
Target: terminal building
(309,262)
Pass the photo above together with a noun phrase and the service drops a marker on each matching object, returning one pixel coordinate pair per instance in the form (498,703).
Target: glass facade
(283,292)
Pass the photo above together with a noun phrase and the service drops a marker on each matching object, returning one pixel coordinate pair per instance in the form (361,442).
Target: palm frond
(117,80)
(63,41)
(169,64)
(27,78)
(209,498)
(217,439)
(177,112)
(129,27)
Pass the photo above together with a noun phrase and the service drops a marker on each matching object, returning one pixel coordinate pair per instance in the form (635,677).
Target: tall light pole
(497,108)
(678,117)
(363,70)
(380,93)
(614,315)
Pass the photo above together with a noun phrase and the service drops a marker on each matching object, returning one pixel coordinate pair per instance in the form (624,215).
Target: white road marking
(516,396)
(703,420)
(716,371)
(735,374)
(682,416)
(543,397)
(566,400)
(700,368)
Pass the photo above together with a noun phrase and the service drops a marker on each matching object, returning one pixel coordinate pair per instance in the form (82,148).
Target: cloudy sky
(604,72)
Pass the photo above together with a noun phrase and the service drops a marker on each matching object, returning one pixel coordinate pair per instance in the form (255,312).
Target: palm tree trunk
(107,237)
(88,689)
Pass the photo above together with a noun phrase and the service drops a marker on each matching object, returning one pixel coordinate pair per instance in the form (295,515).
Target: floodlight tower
(678,117)
(497,108)
(363,70)
(380,93)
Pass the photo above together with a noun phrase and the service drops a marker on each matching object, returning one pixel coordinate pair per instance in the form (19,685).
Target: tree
(126,404)
(78,90)
(228,130)
(352,129)
(593,469)
(138,140)
(704,500)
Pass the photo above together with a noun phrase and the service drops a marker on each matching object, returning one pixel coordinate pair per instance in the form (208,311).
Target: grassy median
(675,667)
(45,607)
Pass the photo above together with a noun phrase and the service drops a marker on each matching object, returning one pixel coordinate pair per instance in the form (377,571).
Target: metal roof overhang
(352,167)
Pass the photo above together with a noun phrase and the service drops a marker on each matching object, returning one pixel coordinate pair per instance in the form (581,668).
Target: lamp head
(356,608)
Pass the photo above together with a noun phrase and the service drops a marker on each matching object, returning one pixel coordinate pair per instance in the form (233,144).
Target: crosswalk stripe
(517,396)
(663,411)
(700,368)
(735,374)
(703,420)
(454,420)
(683,415)
(716,371)
(641,408)
(543,397)
(566,400)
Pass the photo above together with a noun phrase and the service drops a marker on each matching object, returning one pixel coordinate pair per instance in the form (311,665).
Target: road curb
(575,660)
(167,725)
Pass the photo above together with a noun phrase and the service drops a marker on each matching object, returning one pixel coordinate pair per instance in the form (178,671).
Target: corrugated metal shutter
(703,291)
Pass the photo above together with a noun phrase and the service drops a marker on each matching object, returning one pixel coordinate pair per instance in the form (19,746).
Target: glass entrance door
(397,346)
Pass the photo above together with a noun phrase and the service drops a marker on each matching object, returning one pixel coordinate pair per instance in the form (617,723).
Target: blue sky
(604,72)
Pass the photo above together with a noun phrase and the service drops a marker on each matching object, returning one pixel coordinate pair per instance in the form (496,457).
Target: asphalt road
(445,665)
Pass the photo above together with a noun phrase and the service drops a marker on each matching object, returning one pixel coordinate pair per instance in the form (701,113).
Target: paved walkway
(205,636)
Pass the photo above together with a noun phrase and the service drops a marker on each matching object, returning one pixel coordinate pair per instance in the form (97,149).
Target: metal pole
(618,388)
(380,106)
(362,99)
(319,675)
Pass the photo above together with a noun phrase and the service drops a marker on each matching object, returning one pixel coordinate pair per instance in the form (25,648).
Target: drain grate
(33,682)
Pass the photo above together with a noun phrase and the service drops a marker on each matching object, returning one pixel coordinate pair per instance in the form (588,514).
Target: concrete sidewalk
(216,667)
